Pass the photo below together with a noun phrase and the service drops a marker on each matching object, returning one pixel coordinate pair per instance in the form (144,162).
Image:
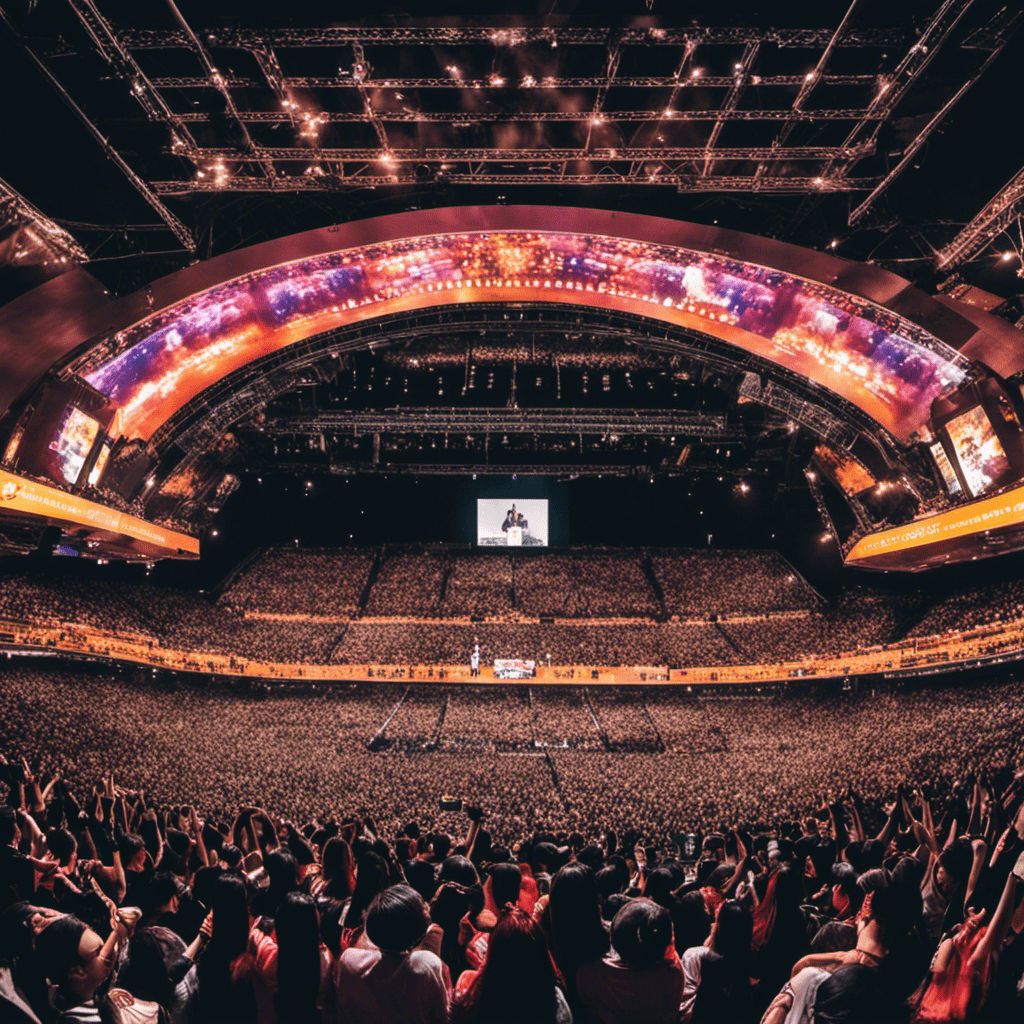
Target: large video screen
(978,450)
(73,442)
(886,366)
(522,523)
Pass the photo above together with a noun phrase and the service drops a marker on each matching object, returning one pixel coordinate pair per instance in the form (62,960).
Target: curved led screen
(889,369)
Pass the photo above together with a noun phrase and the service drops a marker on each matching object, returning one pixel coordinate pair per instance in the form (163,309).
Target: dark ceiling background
(53,161)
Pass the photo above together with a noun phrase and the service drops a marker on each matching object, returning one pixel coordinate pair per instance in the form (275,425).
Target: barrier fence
(996,640)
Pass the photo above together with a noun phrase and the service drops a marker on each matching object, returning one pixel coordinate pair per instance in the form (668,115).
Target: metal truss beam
(157,39)
(217,82)
(572,469)
(16,209)
(458,118)
(810,81)
(540,84)
(896,86)
(372,117)
(145,93)
(998,214)
(482,421)
(730,102)
(148,194)
(683,182)
(529,156)
(610,71)
(1000,31)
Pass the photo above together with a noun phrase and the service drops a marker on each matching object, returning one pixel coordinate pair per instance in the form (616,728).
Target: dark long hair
(297,927)
(516,984)
(219,966)
(145,971)
(574,909)
(283,873)
(338,870)
(732,936)
(371,878)
(724,992)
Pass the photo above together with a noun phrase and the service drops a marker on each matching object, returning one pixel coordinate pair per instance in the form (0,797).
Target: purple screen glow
(846,344)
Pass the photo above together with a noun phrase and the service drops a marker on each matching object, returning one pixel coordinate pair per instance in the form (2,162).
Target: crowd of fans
(513,854)
(699,583)
(303,582)
(993,602)
(579,583)
(415,606)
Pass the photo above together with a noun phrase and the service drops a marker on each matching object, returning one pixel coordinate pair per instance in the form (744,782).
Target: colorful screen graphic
(949,476)
(846,471)
(981,456)
(75,438)
(882,364)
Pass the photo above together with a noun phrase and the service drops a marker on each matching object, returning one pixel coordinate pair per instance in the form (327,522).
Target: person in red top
(640,981)
(963,970)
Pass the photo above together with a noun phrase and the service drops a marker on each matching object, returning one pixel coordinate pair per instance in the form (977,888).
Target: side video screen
(74,441)
(978,450)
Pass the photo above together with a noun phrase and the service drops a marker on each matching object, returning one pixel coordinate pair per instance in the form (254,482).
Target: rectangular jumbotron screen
(507,522)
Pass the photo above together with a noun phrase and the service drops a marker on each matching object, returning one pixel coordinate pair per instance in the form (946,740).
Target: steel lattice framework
(534,119)
(195,108)
(624,422)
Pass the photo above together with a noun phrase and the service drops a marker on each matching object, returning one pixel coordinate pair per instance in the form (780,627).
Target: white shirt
(381,988)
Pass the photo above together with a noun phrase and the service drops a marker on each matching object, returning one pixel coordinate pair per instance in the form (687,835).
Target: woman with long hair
(225,968)
(371,879)
(337,878)
(722,992)
(573,916)
(291,964)
(779,932)
(516,984)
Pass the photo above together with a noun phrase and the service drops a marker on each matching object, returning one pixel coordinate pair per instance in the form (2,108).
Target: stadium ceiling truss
(700,109)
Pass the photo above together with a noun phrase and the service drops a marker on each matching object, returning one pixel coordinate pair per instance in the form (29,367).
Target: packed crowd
(699,583)
(206,856)
(685,609)
(580,583)
(993,602)
(309,582)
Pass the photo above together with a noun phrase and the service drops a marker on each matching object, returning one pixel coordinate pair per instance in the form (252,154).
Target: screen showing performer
(502,522)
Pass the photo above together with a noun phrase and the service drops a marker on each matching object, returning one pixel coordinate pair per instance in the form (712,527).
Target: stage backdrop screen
(507,522)
(981,456)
